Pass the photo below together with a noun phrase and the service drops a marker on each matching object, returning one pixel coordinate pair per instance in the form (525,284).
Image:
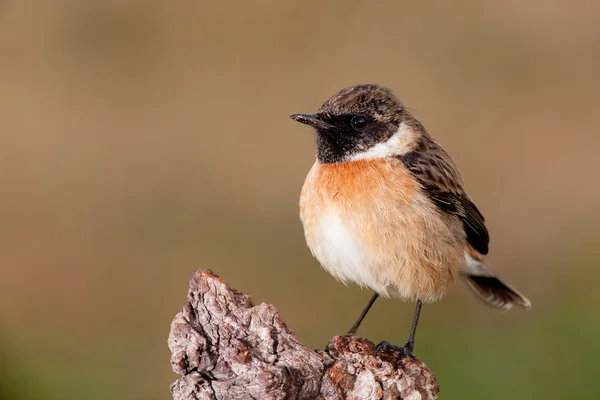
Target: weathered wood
(226,348)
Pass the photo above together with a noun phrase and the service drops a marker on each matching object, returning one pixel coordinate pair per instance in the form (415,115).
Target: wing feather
(441,181)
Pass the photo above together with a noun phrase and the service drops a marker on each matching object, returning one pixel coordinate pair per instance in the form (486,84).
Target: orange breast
(368,222)
(352,182)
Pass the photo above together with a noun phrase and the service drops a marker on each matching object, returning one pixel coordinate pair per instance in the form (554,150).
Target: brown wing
(441,181)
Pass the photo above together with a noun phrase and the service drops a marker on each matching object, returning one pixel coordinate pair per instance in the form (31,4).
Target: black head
(353,121)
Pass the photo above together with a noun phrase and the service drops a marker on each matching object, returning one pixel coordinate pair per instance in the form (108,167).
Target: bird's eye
(358,122)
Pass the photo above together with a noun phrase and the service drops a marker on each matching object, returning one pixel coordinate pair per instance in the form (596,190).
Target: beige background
(140,140)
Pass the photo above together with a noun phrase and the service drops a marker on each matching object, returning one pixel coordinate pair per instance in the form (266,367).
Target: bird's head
(362,122)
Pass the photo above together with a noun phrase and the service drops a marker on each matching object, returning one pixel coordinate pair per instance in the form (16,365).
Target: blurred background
(141,140)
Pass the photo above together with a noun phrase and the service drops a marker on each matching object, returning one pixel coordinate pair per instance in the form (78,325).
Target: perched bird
(385,206)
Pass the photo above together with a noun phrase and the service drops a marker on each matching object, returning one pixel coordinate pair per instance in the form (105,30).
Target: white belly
(341,254)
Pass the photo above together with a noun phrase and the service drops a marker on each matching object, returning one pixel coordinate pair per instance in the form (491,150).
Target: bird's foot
(408,349)
(387,347)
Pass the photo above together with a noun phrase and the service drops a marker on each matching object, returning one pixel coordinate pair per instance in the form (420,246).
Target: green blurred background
(141,140)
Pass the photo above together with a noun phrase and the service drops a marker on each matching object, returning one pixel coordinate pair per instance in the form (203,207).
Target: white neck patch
(396,145)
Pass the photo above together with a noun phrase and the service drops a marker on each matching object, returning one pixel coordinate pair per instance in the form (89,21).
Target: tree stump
(226,348)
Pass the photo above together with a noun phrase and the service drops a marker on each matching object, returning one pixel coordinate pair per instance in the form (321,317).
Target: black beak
(313,120)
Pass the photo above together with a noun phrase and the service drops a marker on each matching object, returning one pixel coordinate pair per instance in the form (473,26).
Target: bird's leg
(410,345)
(363,314)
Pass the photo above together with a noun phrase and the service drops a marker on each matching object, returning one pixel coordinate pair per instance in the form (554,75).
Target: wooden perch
(226,348)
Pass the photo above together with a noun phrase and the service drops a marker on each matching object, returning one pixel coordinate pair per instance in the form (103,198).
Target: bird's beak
(313,120)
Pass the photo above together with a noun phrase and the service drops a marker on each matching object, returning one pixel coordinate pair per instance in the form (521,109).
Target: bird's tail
(488,287)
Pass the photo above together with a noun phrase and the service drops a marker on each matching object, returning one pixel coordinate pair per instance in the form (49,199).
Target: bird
(385,206)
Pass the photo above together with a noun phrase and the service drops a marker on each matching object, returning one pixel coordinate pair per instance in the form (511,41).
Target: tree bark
(226,348)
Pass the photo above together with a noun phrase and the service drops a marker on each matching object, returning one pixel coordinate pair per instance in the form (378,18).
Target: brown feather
(441,180)
(496,293)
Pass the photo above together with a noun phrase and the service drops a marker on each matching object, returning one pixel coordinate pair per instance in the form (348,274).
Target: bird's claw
(387,347)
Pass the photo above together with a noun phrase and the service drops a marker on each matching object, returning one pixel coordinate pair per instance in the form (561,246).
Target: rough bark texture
(226,348)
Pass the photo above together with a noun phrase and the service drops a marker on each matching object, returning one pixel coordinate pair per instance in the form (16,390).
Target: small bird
(385,206)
